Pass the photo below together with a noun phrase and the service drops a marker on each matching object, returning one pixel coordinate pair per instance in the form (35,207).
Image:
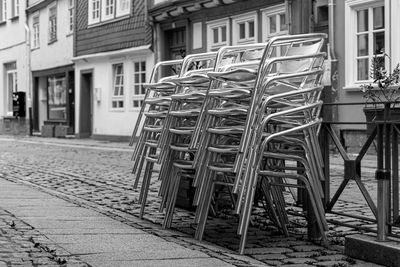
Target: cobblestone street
(97,175)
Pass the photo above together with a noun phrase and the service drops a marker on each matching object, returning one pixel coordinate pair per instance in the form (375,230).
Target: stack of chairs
(150,123)
(246,120)
(183,116)
(232,132)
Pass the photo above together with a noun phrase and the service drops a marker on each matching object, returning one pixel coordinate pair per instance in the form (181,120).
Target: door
(176,43)
(86,110)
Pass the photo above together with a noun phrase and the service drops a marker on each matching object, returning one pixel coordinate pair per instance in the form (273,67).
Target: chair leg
(145,187)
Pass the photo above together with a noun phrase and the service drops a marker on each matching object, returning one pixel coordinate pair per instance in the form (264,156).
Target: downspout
(28,75)
(332,60)
(289,14)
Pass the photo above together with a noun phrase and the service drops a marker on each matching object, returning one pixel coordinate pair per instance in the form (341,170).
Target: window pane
(215,35)
(362,20)
(379,18)
(143,66)
(362,45)
(135,103)
(272,24)
(362,69)
(136,66)
(251,29)
(143,78)
(114,104)
(379,42)
(242,31)
(223,34)
(136,78)
(282,18)
(143,90)
(136,89)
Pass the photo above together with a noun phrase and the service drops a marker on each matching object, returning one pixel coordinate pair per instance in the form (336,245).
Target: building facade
(113,57)
(51,26)
(14,67)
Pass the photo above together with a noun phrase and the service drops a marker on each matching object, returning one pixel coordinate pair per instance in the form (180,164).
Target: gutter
(137,49)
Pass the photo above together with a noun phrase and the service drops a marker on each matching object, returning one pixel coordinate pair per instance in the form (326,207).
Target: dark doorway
(71,100)
(35,109)
(176,43)
(86,112)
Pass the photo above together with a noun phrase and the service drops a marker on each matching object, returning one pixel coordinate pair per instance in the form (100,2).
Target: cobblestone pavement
(98,175)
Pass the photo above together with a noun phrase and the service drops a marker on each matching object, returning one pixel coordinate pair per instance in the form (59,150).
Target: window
(57,97)
(3,10)
(123,7)
(106,10)
(244,28)
(94,11)
(365,38)
(35,31)
(52,24)
(71,15)
(11,84)
(117,100)
(14,8)
(274,22)
(217,34)
(139,77)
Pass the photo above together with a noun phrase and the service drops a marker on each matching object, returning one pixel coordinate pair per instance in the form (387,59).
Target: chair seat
(226,130)
(194,79)
(237,75)
(185,112)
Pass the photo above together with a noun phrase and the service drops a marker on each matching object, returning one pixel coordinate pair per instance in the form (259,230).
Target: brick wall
(126,33)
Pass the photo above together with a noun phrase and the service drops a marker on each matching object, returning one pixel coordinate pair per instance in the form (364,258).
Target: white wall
(105,120)
(58,53)
(13,48)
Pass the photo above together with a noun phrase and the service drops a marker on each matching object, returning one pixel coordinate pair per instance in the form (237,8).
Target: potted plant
(383,91)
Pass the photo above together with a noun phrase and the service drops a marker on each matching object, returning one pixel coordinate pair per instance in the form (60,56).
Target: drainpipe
(28,75)
(332,60)
(289,14)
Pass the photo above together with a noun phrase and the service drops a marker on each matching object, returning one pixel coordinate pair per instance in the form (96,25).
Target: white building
(14,64)
(51,26)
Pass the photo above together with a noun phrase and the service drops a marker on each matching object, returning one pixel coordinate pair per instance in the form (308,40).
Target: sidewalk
(77,236)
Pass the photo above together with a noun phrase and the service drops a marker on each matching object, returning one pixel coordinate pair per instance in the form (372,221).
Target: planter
(373,114)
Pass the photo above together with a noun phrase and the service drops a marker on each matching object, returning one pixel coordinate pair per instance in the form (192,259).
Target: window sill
(104,22)
(52,41)
(15,18)
(35,48)
(117,110)
(69,34)
(3,23)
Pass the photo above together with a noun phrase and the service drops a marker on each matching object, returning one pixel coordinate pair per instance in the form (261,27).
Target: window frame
(133,95)
(120,97)
(103,16)
(244,19)
(71,13)
(52,26)
(3,11)
(217,24)
(351,8)
(35,30)
(91,10)
(266,13)
(14,73)
(14,9)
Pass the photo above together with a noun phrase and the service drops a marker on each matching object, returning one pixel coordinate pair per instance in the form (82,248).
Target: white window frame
(107,10)
(14,8)
(123,7)
(12,90)
(35,30)
(52,23)
(351,8)
(119,97)
(94,8)
(217,24)
(276,11)
(71,15)
(240,19)
(133,96)
(3,11)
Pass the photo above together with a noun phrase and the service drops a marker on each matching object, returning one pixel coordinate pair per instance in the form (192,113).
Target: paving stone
(268,250)
(263,257)
(332,264)
(305,248)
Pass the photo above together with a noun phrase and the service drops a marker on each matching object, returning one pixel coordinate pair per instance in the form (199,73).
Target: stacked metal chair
(183,116)
(150,123)
(238,119)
